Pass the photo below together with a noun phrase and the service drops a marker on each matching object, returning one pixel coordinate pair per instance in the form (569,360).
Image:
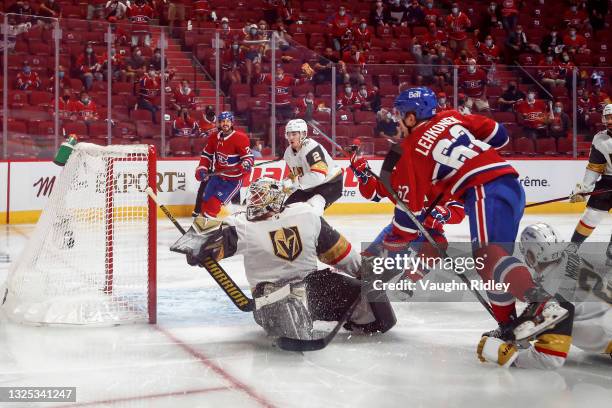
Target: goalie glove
(496,351)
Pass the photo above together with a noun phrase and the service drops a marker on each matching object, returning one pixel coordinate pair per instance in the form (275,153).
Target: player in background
(281,245)
(454,156)
(597,176)
(224,162)
(589,324)
(313,174)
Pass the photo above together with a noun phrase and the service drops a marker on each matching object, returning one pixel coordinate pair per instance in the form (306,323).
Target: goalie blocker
(281,246)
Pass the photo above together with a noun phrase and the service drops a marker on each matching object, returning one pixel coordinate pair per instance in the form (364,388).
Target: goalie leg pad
(494,350)
(284,317)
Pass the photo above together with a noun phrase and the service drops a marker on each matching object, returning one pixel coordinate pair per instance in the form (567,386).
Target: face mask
(553,34)
(157,55)
(573,9)
(27,70)
(253,31)
(531,97)
(471,69)
(489,43)
(85,100)
(363,92)
(442,54)
(235,46)
(442,101)
(60,74)
(308,100)
(152,74)
(341,13)
(389,116)
(429,6)
(363,26)
(224,25)
(186,89)
(89,50)
(492,6)
(565,58)
(558,110)
(572,34)
(138,53)
(348,90)
(455,10)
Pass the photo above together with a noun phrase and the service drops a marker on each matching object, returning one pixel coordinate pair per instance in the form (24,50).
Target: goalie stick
(592,193)
(227,284)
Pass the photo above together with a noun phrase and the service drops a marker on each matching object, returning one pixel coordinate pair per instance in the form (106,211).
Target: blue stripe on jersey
(499,138)
(403,222)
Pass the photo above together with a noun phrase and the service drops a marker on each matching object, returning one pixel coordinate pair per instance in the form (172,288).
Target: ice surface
(206,353)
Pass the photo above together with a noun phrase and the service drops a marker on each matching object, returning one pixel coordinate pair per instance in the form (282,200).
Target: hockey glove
(246,166)
(497,351)
(360,168)
(580,190)
(201,174)
(438,217)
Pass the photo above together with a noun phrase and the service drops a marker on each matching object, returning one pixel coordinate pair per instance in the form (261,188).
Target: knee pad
(592,217)
(211,207)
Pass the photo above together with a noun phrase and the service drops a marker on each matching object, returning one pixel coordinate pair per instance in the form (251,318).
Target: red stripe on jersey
(323,172)
(586,226)
(343,255)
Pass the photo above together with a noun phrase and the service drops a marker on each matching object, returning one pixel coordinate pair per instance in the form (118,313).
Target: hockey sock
(582,232)
(211,208)
(587,224)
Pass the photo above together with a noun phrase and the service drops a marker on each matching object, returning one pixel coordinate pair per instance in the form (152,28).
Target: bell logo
(414,94)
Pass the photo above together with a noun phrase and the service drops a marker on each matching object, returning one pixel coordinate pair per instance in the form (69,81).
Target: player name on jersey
(429,137)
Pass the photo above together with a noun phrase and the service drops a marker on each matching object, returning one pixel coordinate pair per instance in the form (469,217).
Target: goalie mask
(540,244)
(265,198)
(297,125)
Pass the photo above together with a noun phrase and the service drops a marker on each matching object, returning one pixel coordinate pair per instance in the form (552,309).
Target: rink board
(26,185)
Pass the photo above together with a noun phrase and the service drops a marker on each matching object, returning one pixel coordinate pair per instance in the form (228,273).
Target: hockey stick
(220,173)
(593,193)
(227,284)
(385,177)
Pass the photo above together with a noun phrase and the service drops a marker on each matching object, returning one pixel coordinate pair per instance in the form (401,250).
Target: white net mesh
(87,262)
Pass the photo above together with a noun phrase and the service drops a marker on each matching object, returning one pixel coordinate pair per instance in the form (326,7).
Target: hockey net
(92,257)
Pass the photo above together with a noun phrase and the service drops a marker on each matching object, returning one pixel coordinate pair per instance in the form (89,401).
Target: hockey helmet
(226,115)
(540,243)
(607,110)
(297,125)
(265,196)
(420,100)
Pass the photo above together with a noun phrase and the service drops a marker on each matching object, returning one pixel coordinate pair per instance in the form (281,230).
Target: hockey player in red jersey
(225,160)
(454,157)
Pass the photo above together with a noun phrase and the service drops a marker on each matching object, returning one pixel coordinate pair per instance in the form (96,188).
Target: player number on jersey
(402,192)
(454,152)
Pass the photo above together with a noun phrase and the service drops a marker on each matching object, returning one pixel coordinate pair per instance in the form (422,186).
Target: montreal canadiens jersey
(287,245)
(311,165)
(600,159)
(448,154)
(227,152)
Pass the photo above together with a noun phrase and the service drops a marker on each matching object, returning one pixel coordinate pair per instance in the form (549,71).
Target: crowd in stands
(515,60)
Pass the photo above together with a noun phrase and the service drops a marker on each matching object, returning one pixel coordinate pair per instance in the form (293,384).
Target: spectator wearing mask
(488,52)
(370,98)
(183,97)
(232,62)
(443,104)
(184,125)
(149,89)
(552,42)
(532,116)
(338,25)
(473,83)
(66,109)
(549,72)
(457,24)
(305,107)
(510,14)
(510,97)
(115,9)
(256,148)
(140,14)
(443,68)
(156,62)
(27,80)
(349,99)
(283,82)
(386,127)
(356,60)
(362,36)
(117,65)
(586,106)
(90,66)
(135,65)
(379,15)
(86,108)
(253,44)
(559,122)
(432,13)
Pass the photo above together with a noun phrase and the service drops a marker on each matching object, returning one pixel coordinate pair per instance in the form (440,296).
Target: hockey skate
(542,312)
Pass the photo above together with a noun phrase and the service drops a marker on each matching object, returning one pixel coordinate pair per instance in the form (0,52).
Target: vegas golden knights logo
(287,243)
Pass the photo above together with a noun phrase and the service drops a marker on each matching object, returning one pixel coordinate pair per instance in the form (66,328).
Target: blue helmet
(420,100)
(226,115)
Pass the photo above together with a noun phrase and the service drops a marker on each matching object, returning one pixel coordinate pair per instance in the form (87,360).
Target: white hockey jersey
(600,158)
(287,245)
(311,166)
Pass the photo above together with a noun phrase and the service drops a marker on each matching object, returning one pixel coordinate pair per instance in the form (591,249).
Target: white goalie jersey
(286,246)
(311,166)
(600,158)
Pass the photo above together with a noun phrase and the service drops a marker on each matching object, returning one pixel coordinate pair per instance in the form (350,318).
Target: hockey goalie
(281,245)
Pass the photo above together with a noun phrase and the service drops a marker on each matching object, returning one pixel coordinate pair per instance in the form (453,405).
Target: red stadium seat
(565,146)
(41,99)
(365,117)
(546,146)
(524,145)
(78,128)
(180,146)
